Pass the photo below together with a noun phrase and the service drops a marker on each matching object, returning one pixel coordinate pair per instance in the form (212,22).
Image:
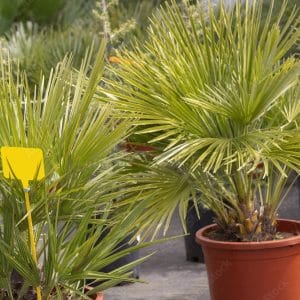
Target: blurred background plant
(291,4)
(38,34)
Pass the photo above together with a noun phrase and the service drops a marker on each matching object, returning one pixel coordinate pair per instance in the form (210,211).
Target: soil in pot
(253,270)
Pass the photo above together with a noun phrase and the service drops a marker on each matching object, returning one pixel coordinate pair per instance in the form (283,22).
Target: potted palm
(79,139)
(216,88)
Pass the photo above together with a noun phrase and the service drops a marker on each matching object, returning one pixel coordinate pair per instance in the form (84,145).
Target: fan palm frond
(77,228)
(215,88)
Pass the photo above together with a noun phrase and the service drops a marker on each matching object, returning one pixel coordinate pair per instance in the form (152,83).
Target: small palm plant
(214,89)
(77,229)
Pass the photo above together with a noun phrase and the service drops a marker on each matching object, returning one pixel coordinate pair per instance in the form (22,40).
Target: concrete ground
(167,274)
(170,277)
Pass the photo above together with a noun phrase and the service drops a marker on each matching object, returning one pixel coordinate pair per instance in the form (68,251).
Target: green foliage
(74,205)
(42,12)
(291,4)
(63,13)
(38,48)
(214,88)
(8,11)
(38,51)
(129,19)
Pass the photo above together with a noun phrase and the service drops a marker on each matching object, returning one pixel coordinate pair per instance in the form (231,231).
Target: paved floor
(170,277)
(167,274)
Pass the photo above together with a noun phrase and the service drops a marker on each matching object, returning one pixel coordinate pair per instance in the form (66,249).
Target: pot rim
(290,241)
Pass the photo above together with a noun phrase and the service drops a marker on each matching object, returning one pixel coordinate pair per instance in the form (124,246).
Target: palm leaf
(216,89)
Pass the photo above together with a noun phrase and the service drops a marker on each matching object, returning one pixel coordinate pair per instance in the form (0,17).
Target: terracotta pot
(136,147)
(253,271)
(98,296)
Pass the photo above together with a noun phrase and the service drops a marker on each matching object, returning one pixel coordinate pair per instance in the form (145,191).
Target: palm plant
(72,207)
(213,87)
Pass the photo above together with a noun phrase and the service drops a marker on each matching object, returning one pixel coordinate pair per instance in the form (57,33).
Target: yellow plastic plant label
(24,164)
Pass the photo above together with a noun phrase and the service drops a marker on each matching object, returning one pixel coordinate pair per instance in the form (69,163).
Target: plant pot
(137,147)
(253,270)
(17,283)
(193,250)
(98,296)
(127,259)
(130,258)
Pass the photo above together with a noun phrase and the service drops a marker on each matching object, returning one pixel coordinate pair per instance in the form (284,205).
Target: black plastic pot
(131,257)
(193,223)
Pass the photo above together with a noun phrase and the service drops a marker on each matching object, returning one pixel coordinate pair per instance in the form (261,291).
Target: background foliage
(37,44)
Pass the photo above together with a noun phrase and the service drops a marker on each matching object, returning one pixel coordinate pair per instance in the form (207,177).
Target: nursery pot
(193,224)
(127,259)
(97,296)
(100,296)
(130,258)
(267,270)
